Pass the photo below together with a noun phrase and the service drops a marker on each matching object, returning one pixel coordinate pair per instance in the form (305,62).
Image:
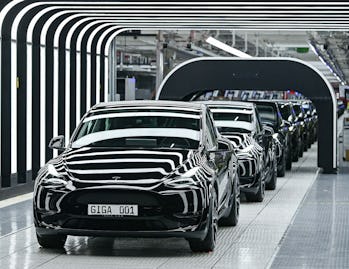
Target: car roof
(228,103)
(152,103)
(263,101)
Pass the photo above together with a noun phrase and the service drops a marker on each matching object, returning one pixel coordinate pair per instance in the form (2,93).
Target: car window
(232,116)
(258,123)
(267,113)
(143,128)
(211,132)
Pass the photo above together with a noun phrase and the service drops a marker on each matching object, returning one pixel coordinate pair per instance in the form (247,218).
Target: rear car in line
(254,144)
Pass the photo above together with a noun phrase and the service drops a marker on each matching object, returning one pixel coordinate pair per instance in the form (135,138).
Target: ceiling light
(225,47)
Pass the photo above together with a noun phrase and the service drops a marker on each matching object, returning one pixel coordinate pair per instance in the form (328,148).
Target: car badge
(116,177)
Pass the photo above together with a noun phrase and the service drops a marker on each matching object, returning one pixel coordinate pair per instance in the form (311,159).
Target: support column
(159,61)
(112,72)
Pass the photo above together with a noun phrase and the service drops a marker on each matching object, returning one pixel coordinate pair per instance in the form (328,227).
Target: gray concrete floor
(319,234)
(252,244)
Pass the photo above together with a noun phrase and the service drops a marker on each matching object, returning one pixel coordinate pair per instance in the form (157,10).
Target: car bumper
(179,215)
(198,234)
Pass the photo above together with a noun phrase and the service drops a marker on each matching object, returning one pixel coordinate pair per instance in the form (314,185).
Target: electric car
(271,116)
(289,116)
(254,144)
(139,169)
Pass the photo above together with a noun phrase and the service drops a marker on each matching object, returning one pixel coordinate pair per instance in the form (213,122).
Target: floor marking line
(16,200)
(17,231)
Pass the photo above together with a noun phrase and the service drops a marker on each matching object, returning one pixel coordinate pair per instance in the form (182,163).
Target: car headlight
(184,180)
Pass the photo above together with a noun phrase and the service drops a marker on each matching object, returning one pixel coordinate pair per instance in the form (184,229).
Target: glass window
(229,116)
(211,131)
(267,113)
(142,128)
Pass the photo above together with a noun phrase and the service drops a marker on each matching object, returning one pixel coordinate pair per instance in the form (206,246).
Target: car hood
(239,140)
(108,164)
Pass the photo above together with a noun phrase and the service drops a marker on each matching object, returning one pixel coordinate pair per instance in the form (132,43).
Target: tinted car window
(210,135)
(285,111)
(232,117)
(297,109)
(267,113)
(140,129)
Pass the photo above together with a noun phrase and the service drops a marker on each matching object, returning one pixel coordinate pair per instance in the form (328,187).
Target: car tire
(51,241)
(209,242)
(289,159)
(271,185)
(259,196)
(232,218)
(282,171)
(295,156)
(301,149)
(306,144)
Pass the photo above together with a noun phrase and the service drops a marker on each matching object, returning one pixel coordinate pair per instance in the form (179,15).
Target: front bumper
(183,214)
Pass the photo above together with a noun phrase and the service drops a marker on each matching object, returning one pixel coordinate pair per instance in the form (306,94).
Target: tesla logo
(116,177)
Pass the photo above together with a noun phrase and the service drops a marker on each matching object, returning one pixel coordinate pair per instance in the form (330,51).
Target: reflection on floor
(252,244)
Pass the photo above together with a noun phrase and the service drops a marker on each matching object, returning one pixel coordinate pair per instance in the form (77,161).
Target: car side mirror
(57,142)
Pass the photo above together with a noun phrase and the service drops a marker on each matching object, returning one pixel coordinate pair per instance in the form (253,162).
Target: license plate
(112,210)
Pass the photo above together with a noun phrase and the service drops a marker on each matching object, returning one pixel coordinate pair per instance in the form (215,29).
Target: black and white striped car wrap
(167,182)
(249,154)
(239,122)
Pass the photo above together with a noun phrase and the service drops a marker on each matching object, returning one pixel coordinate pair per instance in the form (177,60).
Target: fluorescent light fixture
(225,47)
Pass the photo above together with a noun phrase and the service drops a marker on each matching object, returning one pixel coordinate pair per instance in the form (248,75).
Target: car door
(221,159)
(261,138)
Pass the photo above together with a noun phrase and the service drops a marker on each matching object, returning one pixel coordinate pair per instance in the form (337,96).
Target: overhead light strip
(225,47)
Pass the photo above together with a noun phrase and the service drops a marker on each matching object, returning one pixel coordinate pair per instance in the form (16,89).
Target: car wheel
(295,156)
(282,170)
(209,242)
(259,196)
(233,211)
(306,145)
(51,241)
(301,148)
(289,159)
(271,185)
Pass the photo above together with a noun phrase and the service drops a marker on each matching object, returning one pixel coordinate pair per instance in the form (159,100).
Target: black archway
(261,74)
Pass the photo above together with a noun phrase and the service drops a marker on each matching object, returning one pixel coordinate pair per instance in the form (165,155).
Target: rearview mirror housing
(57,142)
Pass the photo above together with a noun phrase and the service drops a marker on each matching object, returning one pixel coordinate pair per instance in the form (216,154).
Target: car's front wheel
(209,242)
(232,218)
(301,148)
(271,185)
(51,241)
(289,159)
(282,168)
(259,196)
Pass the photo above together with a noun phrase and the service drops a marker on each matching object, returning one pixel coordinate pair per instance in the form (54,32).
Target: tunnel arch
(261,74)
(19,135)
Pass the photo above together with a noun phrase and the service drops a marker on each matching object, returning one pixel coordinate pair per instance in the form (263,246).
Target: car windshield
(297,109)
(231,119)
(285,110)
(228,130)
(140,128)
(267,114)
